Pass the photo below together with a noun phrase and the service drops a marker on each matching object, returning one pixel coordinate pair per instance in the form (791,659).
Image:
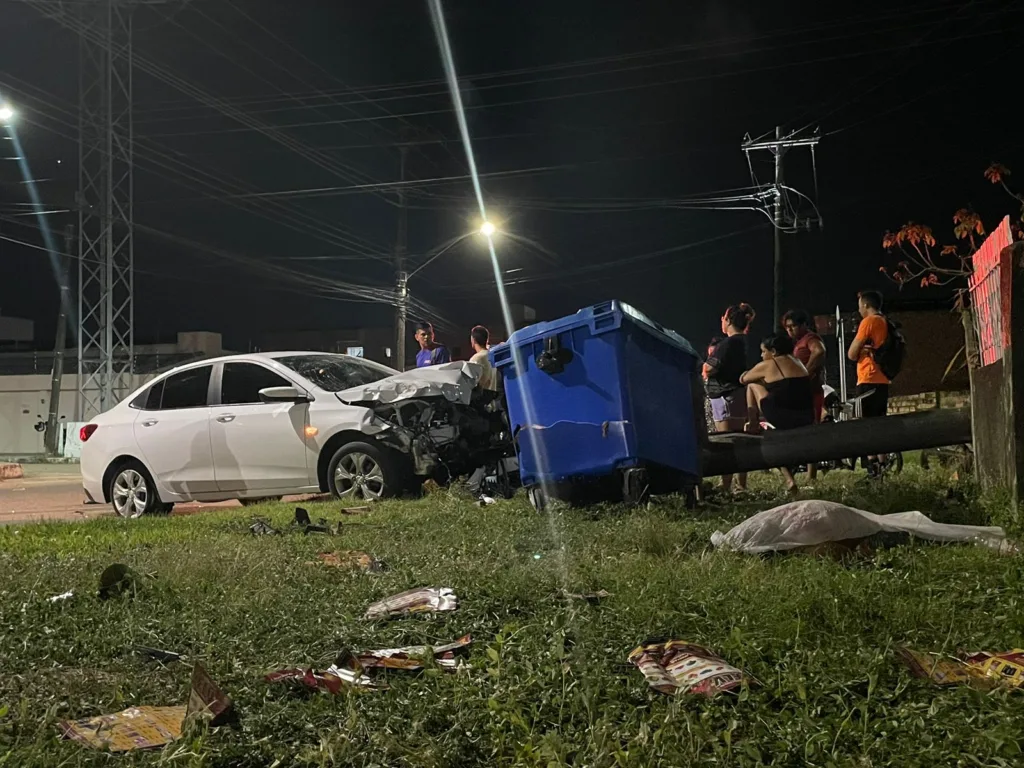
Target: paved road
(53,493)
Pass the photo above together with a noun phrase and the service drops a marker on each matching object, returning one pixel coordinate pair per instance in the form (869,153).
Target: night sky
(587,116)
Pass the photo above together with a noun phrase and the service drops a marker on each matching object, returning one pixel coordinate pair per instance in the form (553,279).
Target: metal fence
(990,294)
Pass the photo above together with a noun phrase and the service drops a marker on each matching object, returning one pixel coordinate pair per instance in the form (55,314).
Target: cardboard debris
(422,600)
(149,727)
(676,667)
(330,681)
(355,559)
(134,728)
(979,670)
(410,657)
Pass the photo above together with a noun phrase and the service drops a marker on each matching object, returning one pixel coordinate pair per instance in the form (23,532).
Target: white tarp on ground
(812,522)
(452,381)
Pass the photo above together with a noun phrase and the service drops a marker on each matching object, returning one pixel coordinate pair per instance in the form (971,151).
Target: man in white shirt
(478,338)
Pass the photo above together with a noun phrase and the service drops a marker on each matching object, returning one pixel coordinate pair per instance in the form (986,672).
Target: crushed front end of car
(438,418)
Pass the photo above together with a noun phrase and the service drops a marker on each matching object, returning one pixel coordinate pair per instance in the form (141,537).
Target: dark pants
(877,403)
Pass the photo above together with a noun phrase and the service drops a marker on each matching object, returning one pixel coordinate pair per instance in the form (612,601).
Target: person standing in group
(722,371)
(809,349)
(478,340)
(871,335)
(431,353)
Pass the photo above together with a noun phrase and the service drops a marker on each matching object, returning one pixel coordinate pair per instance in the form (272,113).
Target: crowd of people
(785,390)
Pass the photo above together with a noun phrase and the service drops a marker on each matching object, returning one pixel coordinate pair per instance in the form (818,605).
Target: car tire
(133,493)
(252,502)
(365,472)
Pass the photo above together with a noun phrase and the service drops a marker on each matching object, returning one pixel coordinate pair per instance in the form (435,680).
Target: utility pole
(778,147)
(401,275)
(60,343)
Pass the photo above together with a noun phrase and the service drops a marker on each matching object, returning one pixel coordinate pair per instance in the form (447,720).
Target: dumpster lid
(601,317)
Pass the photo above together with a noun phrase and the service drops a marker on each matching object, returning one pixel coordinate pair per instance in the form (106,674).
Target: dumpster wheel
(635,486)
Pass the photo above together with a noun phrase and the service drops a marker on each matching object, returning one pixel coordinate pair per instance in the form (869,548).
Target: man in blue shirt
(431,353)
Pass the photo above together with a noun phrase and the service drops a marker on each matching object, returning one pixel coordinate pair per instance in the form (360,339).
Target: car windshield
(335,373)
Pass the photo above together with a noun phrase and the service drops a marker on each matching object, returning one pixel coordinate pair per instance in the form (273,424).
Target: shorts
(730,406)
(875,404)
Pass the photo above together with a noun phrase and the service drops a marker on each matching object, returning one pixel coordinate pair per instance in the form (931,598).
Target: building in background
(16,333)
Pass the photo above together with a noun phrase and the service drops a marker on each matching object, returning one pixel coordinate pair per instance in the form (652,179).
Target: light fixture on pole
(487,229)
(7,113)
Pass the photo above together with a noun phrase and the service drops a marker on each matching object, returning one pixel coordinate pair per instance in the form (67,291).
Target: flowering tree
(922,259)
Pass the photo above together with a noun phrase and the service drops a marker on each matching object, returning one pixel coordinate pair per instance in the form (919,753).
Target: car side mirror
(283,395)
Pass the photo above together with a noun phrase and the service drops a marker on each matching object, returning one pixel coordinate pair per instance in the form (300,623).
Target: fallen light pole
(729,453)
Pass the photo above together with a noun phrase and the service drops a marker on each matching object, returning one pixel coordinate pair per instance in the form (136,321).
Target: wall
(25,401)
(926,401)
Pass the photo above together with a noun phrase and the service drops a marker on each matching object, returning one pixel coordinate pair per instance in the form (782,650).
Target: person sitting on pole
(431,353)
(779,389)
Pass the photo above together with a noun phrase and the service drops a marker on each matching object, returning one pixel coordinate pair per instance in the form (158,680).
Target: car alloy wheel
(130,493)
(358,475)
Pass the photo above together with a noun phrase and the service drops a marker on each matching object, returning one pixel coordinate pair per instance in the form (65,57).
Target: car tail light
(86,432)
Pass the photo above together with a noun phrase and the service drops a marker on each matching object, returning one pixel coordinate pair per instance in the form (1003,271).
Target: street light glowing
(6,113)
(487,229)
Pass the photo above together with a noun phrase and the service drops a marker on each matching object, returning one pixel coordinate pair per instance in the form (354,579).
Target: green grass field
(549,683)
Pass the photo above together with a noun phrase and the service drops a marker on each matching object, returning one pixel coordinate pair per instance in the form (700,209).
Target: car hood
(452,381)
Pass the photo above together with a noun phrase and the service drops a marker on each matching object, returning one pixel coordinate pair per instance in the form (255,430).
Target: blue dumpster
(604,393)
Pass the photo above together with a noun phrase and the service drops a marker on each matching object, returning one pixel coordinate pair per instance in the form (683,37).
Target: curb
(11,471)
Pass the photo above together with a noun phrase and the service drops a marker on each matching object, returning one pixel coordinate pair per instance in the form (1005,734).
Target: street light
(487,229)
(6,113)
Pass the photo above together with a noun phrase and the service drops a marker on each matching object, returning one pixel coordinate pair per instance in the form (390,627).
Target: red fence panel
(990,296)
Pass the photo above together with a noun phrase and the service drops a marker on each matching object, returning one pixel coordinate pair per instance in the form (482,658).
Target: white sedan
(262,426)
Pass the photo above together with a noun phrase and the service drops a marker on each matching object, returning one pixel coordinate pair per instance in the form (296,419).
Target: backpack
(889,356)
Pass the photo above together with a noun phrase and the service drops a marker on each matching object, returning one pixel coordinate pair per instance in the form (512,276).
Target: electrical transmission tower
(783,216)
(106,285)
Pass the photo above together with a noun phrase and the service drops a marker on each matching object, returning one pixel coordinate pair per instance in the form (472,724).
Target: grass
(549,683)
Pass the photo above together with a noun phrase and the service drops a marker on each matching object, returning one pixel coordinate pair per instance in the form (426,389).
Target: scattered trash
(675,667)
(422,600)
(590,597)
(261,527)
(155,654)
(979,670)
(61,597)
(362,561)
(115,580)
(410,657)
(148,727)
(430,487)
(485,501)
(354,510)
(810,523)
(206,700)
(331,681)
(302,521)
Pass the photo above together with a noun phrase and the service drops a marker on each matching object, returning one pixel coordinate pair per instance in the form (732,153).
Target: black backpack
(889,356)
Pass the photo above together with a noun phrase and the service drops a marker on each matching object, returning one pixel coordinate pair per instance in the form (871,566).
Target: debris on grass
(800,525)
(149,727)
(590,597)
(354,559)
(116,580)
(422,600)
(675,667)
(979,669)
(354,510)
(303,521)
(330,681)
(411,657)
(485,501)
(261,527)
(61,597)
(156,654)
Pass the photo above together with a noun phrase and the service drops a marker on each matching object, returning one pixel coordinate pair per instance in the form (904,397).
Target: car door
(257,446)
(172,431)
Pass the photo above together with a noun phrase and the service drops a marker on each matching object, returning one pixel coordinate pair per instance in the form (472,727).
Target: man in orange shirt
(871,335)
